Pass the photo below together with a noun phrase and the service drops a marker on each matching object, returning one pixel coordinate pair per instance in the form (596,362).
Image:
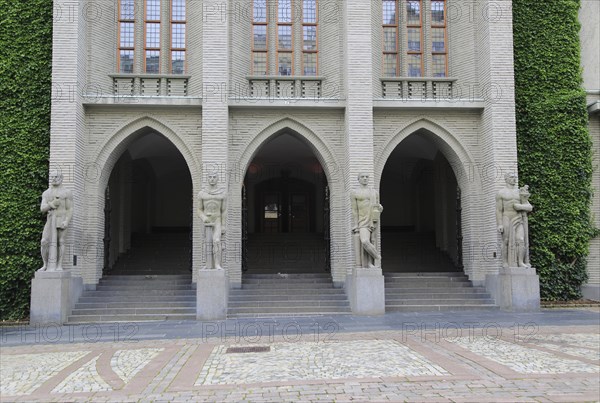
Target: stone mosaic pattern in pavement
(127,363)
(523,359)
(377,365)
(312,361)
(21,374)
(85,379)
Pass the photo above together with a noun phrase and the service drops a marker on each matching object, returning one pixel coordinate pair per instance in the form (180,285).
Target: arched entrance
(148,214)
(419,191)
(285,205)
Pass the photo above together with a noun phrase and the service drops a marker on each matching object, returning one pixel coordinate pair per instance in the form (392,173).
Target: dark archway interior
(418,190)
(285,199)
(150,218)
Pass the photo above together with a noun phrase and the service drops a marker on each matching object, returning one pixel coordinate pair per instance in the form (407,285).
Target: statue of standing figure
(57,203)
(512,206)
(366,211)
(212,210)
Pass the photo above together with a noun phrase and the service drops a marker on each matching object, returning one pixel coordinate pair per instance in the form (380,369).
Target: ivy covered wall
(554,146)
(25,68)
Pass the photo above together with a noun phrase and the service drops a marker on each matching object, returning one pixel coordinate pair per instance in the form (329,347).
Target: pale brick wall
(594,257)
(347,140)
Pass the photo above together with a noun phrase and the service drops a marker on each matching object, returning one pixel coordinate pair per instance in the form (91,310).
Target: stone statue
(512,206)
(57,203)
(213,212)
(366,210)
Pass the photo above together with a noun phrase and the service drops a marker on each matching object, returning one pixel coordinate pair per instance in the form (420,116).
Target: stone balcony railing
(150,85)
(417,87)
(285,87)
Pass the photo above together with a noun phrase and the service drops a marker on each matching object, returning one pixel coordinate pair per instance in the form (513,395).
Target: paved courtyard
(553,355)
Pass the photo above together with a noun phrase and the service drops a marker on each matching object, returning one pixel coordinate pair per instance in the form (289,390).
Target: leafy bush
(25,68)
(555,149)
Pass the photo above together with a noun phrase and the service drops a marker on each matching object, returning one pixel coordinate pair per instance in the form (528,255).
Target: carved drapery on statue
(366,211)
(512,206)
(212,209)
(57,203)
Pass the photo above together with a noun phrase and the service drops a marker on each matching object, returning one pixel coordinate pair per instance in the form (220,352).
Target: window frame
(396,37)
(119,47)
(172,49)
(291,49)
(146,48)
(422,44)
(266,49)
(316,50)
(444,26)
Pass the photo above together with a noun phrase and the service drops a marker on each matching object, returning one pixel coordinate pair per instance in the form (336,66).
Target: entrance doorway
(421,227)
(149,210)
(285,200)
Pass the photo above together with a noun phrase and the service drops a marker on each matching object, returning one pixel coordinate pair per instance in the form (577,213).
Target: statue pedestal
(515,288)
(366,291)
(212,294)
(53,295)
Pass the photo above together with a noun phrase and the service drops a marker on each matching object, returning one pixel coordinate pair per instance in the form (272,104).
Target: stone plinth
(53,294)
(366,291)
(515,288)
(212,293)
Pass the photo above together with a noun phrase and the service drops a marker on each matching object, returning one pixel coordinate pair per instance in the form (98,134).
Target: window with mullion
(152,37)
(260,48)
(390,38)
(439,46)
(285,45)
(178,36)
(414,24)
(309,38)
(126,32)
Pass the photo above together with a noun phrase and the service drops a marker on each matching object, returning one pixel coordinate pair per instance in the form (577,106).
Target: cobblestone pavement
(443,362)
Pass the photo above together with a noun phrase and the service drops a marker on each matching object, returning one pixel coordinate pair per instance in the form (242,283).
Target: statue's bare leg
(61,248)
(45,245)
(504,250)
(365,240)
(217,251)
(520,244)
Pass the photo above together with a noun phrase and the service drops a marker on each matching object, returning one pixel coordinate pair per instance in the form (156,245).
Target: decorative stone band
(282,87)
(418,87)
(150,84)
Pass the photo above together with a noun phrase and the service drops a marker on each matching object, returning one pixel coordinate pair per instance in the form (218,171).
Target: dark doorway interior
(285,199)
(419,225)
(150,199)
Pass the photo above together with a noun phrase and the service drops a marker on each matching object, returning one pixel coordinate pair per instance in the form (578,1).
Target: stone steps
(435,291)
(137,298)
(266,295)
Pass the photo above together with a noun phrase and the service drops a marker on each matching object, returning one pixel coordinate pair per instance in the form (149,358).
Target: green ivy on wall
(555,149)
(25,68)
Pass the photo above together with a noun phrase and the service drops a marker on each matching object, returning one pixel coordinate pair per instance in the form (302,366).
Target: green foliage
(25,68)
(555,149)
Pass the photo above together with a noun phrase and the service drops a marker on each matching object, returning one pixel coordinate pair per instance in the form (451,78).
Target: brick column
(67,128)
(215,113)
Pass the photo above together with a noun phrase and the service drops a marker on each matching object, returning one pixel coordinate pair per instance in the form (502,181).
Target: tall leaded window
(126,36)
(405,25)
(414,34)
(260,51)
(390,39)
(309,38)
(291,18)
(152,37)
(285,50)
(439,53)
(178,34)
(157,29)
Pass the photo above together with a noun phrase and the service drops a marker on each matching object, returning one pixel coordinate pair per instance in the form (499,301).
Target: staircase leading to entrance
(443,291)
(137,298)
(286,253)
(156,253)
(266,295)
